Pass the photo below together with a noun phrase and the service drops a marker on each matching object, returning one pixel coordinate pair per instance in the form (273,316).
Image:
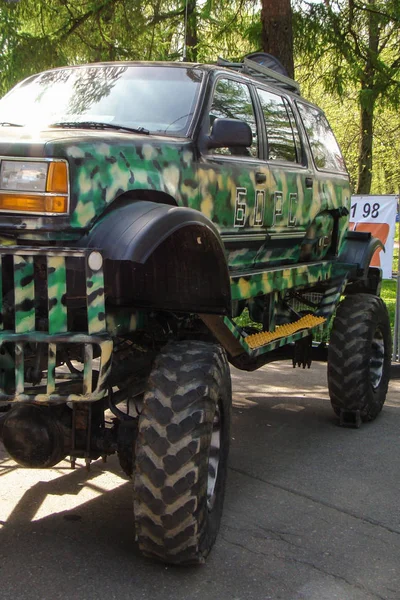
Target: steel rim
(213,459)
(377,358)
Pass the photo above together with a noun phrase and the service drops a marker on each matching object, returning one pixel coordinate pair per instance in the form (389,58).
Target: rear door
(331,189)
(290,182)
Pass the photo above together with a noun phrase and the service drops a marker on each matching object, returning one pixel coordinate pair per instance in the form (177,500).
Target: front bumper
(35,290)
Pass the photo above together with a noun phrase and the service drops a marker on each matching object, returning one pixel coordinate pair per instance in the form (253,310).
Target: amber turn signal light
(33,203)
(57,178)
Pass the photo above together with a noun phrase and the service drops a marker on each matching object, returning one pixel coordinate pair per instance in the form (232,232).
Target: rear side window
(324,147)
(282,136)
(232,100)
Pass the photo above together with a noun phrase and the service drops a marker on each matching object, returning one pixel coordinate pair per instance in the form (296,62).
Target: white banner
(376,214)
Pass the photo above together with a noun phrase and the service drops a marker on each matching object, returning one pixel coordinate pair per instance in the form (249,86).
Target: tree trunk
(368,99)
(156,15)
(364,179)
(191,32)
(277,33)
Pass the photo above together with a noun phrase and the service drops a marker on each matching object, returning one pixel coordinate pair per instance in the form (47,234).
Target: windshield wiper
(8,124)
(97,125)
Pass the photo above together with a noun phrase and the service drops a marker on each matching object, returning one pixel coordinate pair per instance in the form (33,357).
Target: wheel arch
(162,256)
(359,249)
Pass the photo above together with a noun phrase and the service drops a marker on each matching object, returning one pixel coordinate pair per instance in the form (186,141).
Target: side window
(282,134)
(232,100)
(324,147)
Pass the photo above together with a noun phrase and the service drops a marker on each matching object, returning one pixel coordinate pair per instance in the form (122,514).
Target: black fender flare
(359,249)
(139,232)
(132,232)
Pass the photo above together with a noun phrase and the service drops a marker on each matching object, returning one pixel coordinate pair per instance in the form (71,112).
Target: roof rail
(261,72)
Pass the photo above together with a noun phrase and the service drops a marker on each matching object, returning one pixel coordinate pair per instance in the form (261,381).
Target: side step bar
(232,338)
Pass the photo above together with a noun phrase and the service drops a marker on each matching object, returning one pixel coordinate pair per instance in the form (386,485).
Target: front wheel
(182,451)
(359,356)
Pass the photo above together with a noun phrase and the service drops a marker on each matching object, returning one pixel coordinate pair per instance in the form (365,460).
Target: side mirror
(227,133)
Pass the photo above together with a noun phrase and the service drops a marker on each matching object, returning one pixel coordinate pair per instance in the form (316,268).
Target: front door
(233,180)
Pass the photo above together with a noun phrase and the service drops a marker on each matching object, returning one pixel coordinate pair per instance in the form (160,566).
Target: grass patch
(388,295)
(389,286)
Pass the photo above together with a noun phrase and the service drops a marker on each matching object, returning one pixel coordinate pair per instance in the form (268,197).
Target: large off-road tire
(182,451)
(359,356)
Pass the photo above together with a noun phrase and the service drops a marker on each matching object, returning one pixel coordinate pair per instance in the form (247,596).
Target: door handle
(309,182)
(261,178)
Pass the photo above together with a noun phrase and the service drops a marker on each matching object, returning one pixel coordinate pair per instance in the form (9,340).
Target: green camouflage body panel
(251,285)
(24,294)
(102,172)
(318,236)
(57,287)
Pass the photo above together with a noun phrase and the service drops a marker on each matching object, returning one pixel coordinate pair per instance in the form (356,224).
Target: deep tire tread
(171,514)
(349,356)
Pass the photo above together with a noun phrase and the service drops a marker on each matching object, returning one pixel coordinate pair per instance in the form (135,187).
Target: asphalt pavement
(311,511)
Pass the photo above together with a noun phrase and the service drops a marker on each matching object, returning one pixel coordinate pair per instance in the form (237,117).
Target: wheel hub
(213,460)
(377,358)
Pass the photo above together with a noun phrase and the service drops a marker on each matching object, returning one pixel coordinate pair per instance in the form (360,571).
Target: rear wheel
(182,451)
(359,356)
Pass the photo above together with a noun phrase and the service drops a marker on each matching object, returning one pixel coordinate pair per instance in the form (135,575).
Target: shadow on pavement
(309,513)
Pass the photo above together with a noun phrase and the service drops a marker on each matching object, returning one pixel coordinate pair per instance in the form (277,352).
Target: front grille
(41,292)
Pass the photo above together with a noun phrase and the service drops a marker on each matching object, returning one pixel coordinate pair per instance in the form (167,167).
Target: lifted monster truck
(143,208)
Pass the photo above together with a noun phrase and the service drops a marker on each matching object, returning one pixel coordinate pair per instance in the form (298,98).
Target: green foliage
(388,295)
(253,33)
(354,49)
(40,34)
(9,25)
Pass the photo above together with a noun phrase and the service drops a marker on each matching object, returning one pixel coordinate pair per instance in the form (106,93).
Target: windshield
(160,99)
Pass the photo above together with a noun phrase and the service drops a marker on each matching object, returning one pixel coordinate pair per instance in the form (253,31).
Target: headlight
(34,186)
(29,176)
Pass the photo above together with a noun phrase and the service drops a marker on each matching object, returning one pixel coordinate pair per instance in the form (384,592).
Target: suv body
(143,207)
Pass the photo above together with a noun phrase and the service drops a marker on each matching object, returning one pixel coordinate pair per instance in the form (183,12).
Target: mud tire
(359,356)
(188,397)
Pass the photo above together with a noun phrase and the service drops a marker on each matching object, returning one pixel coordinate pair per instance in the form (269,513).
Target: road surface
(311,511)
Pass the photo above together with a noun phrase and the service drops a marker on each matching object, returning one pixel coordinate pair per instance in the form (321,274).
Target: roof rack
(261,72)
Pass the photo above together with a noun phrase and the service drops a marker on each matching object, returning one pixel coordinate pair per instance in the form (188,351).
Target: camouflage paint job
(263,253)
(26,333)
(57,289)
(265,282)
(102,173)
(24,294)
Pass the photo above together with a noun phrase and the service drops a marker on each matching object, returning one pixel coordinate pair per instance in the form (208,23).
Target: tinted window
(232,100)
(161,99)
(324,147)
(282,135)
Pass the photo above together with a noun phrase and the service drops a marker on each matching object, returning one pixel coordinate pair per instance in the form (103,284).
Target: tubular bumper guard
(25,332)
